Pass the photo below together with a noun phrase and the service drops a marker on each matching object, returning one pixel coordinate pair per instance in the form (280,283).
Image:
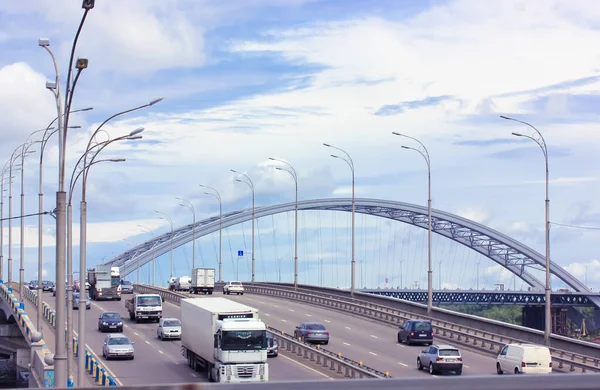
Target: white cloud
(449,286)
(586,272)
(476,214)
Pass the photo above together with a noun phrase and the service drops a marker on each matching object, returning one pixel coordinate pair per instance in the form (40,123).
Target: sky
(243,81)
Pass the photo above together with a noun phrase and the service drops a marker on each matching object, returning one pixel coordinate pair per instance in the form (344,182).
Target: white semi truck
(224,338)
(203,280)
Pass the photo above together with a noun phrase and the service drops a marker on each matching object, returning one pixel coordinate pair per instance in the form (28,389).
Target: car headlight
(105,323)
(119,323)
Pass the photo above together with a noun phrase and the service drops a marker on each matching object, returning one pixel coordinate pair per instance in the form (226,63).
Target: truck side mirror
(162,299)
(216,343)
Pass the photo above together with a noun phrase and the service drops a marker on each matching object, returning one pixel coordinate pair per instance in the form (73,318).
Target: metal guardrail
(93,367)
(485,341)
(581,347)
(320,356)
(462,382)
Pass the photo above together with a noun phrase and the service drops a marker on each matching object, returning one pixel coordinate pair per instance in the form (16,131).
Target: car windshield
(422,326)
(118,341)
(47,283)
(244,340)
(172,323)
(149,301)
(315,327)
(126,283)
(111,316)
(449,352)
(236,283)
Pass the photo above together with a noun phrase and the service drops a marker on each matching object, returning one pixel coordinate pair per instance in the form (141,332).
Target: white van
(524,359)
(183,283)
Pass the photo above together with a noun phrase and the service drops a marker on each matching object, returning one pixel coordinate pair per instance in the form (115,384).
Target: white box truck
(203,280)
(224,338)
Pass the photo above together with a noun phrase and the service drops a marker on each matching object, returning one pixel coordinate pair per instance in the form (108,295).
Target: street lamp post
(10,177)
(189,205)
(148,230)
(251,185)
(217,195)
(350,163)
(538,138)
(423,152)
(4,171)
(167,218)
(292,172)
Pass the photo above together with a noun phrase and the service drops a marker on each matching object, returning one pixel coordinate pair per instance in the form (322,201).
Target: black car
(416,331)
(32,285)
(47,285)
(110,321)
(272,347)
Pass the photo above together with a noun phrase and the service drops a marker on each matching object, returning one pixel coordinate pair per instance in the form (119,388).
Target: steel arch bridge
(506,251)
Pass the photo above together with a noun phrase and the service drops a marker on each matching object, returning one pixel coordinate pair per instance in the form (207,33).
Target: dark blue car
(110,321)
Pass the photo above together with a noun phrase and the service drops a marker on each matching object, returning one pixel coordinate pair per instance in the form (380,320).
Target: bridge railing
(485,341)
(320,356)
(41,373)
(93,365)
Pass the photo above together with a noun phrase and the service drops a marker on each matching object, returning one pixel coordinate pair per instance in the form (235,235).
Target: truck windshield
(115,281)
(149,301)
(244,340)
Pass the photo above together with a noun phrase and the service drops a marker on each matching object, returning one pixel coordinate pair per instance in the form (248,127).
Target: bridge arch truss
(502,249)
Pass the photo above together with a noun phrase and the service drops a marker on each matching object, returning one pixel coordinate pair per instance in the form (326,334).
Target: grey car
(76,298)
(312,332)
(272,347)
(126,287)
(169,328)
(440,359)
(117,345)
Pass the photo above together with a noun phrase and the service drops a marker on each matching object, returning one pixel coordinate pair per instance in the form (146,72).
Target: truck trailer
(203,280)
(105,283)
(226,339)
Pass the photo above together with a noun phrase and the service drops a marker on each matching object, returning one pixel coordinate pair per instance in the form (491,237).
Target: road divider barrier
(315,354)
(483,341)
(97,371)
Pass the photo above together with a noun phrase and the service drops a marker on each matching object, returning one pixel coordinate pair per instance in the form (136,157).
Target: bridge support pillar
(23,359)
(533,317)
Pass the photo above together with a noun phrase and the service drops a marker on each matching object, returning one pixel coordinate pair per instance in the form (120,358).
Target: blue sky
(248,80)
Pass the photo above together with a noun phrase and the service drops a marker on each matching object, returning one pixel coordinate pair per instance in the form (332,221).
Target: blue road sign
(240,253)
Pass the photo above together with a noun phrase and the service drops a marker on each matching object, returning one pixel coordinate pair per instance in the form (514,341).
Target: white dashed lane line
(161,352)
(136,333)
(402,364)
(327,321)
(345,343)
(283,320)
(291,309)
(308,315)
(147,342)
(373,353)
(268,315)
(347,327)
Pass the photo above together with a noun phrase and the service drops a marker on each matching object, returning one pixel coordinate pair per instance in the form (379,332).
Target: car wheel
(408,341)
(458,372)
(517,372)
(399,339)
(431,370)
(419,365)
(498,369)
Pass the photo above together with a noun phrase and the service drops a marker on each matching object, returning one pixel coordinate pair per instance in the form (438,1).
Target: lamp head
(86,109)
(238,180)
(272,159)
(327,145)
(396,133)
(135,137)
(278,168)
(50,85)
(208,193)
(405,147)
(82,63)
(334,156)
(136,131)
(117,160)
(73,127)
(505,117)
(518,134)
(88,4)
(153,102)
(44,42)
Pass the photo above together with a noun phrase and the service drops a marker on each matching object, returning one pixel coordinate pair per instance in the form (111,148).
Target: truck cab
(144,307)
(172,283)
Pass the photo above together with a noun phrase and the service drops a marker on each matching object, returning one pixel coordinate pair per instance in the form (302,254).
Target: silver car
(169,328)
(126,287)
(88,301)
(440,359)
(312,332)
(117,345)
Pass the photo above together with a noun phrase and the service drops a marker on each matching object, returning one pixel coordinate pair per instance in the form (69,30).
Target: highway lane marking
(147,342)
(465,366)
(373,353)
(159,351)
(112,374)
(307,367)
(347,327)
(291,309)
(136,333)
(402,364)
(345,343)
(261,302)
(283,320)
(275,306)
(308,315)
(194,375)
(375,337)
(268,315)
(401,346)
(125,325)
(327,321)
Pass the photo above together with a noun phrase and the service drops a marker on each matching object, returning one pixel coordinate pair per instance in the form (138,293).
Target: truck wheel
(210,292)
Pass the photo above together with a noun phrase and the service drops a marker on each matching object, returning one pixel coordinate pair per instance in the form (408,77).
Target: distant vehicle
(234,287)
(183,283)
(47,285)
(203,280)
(172,283)
(54,290)
(144,307)
(440,359)
(32,285)
(524,359)
(105,282)
(118,346)
(110,320)
(169,328)
(76,303)
(416,331)
(312,332)
(126,287)
(272,347)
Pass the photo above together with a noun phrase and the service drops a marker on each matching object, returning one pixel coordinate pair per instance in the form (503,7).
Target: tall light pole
(10,182)
(47,134)
(292,172)
(423,152)
(350,163)
(93,150)
(4,171)
(60,356)
(538,138)
(189,205)
(217,195)
(250,184)
(167,218)
(148,230)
